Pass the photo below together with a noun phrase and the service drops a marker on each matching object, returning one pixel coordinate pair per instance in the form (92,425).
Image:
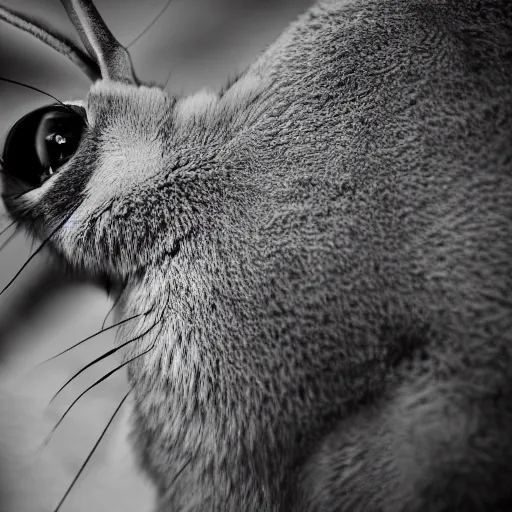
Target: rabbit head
(319,256)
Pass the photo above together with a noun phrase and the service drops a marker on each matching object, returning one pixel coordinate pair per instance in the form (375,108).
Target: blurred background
(201,43)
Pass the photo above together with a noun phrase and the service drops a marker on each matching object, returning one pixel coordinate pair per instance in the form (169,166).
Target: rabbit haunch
(333,331)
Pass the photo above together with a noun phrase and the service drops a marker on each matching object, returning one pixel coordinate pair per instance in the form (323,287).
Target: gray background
(203,43)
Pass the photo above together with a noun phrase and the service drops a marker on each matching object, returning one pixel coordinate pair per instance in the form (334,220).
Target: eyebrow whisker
(31,87)
(150,25)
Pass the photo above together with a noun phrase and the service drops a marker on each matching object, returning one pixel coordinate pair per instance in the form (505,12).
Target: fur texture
(325,252)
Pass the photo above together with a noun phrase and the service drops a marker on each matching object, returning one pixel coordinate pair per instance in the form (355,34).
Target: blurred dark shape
(47,281)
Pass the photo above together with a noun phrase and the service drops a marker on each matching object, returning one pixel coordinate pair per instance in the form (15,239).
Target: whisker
(181,471)
(8,227)
(91,453)
(114,305)
(33,242)
(92,336)
(35,253)
(31,87)
(109,311)
(151,24)
(8,241)
(103,356)
(167,81)
(99,381)
(107,375)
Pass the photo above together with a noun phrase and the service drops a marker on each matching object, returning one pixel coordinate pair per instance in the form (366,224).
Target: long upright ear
(106,57)
(53,39)
(112,58)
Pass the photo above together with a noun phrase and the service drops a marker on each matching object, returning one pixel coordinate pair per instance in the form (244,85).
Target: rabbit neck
(201,398)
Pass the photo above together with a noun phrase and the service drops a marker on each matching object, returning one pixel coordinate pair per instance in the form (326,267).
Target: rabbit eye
(43,141)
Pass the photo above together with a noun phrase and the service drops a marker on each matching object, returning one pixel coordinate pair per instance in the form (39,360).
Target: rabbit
(315,261)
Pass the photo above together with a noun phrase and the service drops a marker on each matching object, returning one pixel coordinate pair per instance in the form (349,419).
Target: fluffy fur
(325,249)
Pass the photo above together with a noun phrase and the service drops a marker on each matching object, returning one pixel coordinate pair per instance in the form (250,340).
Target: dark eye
(43,141)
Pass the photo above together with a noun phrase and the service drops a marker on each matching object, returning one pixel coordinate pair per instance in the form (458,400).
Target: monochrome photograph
(256,256)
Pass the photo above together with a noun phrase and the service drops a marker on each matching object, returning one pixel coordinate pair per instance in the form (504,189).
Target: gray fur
(329,244)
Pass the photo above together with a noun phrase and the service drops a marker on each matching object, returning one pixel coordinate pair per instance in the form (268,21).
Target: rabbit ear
(106,58)
(56,41)
(112,58)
